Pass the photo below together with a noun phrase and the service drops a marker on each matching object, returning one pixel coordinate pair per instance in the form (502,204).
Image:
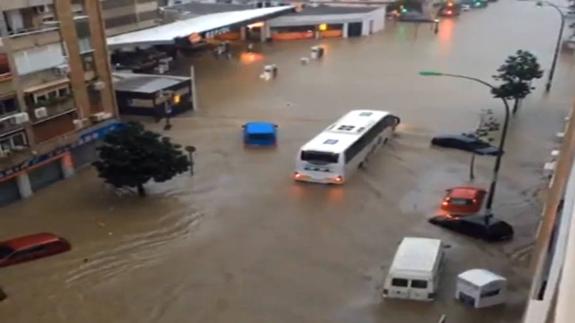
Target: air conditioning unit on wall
(21,118)
(101,116)
(98,85)
(40,113)
(80,123)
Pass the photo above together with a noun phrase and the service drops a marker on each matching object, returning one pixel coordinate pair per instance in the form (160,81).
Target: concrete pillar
(344,33)
(243,33)
(266,32)
(101,55)
(70,38)
(24,186)
(263,33)
(67,165)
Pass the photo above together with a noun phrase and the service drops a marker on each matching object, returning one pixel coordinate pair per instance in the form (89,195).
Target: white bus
(333,155)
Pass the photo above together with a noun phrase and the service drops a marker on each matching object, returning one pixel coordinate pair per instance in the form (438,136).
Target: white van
(414,273)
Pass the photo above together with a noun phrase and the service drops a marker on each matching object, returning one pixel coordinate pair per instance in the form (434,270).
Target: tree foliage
(516,75)
(132,156)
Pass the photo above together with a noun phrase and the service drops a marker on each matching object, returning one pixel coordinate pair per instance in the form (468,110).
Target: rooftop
(345,131)
(332,10)
(416,254)
(145,83)
(480,277)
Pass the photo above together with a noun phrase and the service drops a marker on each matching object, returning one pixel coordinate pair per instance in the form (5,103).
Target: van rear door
(419,289)
(399,288)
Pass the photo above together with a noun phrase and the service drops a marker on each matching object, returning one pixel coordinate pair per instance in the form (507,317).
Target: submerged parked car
(476,226)
(31,247)
(465,142)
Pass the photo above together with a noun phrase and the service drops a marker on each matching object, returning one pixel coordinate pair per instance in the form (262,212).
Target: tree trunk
(516,105)
(141,190)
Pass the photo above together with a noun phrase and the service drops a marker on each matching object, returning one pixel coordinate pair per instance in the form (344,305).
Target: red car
(463,200)
(31,247)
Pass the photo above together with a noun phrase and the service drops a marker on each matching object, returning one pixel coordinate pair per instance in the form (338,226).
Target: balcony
(8,124)
(35,38)
(51,108)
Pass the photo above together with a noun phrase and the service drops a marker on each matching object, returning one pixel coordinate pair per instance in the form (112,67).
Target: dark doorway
(354,29)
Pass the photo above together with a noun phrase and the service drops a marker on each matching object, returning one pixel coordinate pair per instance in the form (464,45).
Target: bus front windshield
(319,157)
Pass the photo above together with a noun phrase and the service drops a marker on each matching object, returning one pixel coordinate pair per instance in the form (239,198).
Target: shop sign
(219,31)
(84,139)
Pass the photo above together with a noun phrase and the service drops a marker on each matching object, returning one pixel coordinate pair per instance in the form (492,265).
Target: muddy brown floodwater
(240,242)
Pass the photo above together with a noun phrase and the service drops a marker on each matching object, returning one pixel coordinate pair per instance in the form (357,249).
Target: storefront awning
(208,24)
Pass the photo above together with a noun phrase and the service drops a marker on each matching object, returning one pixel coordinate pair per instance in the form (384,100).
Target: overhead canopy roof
(145,83)
(167,34)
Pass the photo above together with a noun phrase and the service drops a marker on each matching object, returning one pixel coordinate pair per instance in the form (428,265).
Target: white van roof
(416,256)
(480,277)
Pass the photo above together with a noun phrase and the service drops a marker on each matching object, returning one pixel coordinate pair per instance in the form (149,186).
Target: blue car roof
(260,127)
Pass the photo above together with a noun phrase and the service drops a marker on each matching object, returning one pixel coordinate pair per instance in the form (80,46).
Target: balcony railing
(8,124)
(5,77)
(32,31)
(54,107)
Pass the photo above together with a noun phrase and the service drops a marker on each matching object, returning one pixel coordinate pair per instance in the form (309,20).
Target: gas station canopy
(206,26)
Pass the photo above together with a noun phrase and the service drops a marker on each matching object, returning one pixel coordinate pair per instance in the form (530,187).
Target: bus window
(319,157)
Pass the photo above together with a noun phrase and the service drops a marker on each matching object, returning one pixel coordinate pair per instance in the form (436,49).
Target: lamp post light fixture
(491,194)
(557,45)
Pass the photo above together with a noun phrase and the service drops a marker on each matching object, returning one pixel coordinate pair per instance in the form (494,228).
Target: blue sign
(84,139)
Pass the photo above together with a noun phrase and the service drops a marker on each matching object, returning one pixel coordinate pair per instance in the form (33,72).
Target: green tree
(132,156)
(516,75)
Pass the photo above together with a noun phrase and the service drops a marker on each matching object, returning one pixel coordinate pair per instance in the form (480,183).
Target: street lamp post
(558,45)
(489,203)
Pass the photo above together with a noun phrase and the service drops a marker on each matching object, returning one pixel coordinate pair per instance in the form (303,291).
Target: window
(63,92)
(345,128)
(330,142)
(52,94)
(459,202)
(18,140)
(8,106)
(365,140)
(490,293)
(5,251)
(365,114)
(15,140)
(319,157)
(40,98)
(399,282)
(261,136)
(419,283)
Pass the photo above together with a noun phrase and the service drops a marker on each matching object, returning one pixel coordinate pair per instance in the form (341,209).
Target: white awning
(166,34)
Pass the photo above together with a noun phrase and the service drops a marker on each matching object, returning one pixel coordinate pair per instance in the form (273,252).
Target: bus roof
(345,131)
(416,255)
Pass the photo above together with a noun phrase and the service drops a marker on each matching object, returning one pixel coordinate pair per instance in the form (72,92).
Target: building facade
(55,88)
(122,16)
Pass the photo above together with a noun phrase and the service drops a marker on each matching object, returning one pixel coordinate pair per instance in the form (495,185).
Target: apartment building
(56,95)
(122,16)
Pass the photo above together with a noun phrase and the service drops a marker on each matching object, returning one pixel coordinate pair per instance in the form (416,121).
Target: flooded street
(241,242)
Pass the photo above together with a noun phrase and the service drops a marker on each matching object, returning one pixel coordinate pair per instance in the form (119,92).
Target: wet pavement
(240,242)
